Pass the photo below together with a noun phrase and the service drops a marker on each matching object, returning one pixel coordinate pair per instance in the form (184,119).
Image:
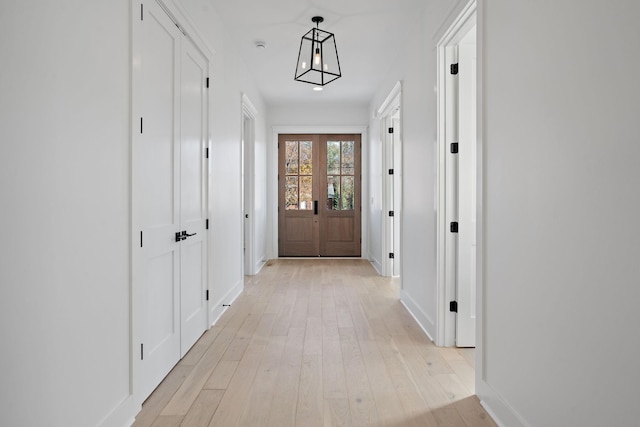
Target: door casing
(317,230)
(390,116)
(466,243)
(445,202)
(273,176)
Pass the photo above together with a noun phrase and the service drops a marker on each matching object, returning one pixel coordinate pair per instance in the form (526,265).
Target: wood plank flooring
(317,343)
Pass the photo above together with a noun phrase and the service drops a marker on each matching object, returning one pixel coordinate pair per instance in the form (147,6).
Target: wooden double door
(319,191)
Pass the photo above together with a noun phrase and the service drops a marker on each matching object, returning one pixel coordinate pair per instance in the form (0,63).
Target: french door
(170,104)
(319,206)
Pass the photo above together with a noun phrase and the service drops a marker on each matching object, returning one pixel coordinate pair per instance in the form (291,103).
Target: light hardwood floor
(317,343)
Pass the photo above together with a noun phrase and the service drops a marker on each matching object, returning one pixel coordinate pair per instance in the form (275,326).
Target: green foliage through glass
(340,175)
(298,169)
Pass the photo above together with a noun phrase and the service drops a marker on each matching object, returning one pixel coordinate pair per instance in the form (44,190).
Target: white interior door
(449,175)
(193,206)
(156,193)
(389,186)
(397,191)
(392,189)
(170,101)
(247,138)
(466,247)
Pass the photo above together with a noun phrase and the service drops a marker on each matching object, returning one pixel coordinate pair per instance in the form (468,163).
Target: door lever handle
(182,235)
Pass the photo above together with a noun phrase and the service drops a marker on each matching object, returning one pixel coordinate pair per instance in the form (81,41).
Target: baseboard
(215,313)
(218,308)
(258,266)
(123,415)
(502,413)
(425,323)
(376,264)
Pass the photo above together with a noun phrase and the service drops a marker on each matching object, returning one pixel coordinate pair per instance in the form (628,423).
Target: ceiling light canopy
(318,62)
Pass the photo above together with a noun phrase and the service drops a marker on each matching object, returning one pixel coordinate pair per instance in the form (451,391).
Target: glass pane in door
(333,192)
(333,157)
(340,175)
(291,158)
(347,158)
(291,193)
(299,175)
(306,192)
(347,195)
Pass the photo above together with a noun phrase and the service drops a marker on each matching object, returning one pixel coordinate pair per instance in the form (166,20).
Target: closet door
(156,197)
(193,206)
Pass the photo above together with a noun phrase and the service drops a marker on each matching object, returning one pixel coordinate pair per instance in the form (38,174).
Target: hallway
(317,342)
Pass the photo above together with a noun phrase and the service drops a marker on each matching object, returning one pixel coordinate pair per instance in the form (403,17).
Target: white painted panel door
(388,189)
(466,263)
(193,206)
(397,192)
(156,194)
(247,141)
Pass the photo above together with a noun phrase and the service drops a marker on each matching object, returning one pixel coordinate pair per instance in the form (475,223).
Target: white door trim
(390,102)
(445,331)
(180,17)
(385,113)
(272,166)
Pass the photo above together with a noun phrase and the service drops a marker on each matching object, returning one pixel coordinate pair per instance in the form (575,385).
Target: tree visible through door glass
(299,170)
(340,175)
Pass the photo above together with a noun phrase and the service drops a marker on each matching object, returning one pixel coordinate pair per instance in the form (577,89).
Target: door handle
(182,235)
(315,207)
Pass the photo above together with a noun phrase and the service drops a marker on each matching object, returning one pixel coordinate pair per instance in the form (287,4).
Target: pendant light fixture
(318,62)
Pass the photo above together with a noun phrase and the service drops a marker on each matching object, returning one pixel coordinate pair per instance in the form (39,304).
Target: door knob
(179,237)
(185,234)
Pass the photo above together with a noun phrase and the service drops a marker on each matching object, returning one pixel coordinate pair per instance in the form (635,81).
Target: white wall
(318,114)
(65,191)
(65,210)
(562,102)
(415,67)
(375,202)
(560,339)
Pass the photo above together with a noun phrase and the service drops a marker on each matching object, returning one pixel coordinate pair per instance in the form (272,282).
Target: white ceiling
(368,35)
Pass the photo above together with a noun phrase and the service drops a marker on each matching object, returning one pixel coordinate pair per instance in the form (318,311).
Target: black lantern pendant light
(318,62)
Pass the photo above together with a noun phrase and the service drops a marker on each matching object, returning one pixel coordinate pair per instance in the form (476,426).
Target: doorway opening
(457,187)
